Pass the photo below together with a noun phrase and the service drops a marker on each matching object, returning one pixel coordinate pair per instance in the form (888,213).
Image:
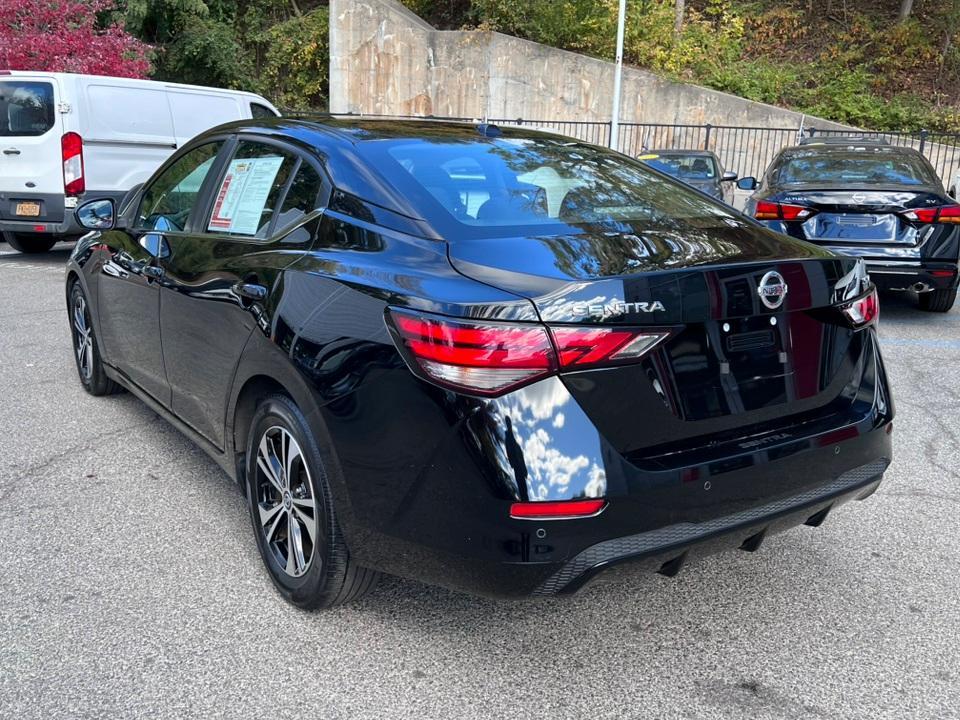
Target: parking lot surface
(130,584)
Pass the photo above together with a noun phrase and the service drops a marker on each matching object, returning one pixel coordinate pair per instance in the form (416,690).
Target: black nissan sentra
(492,359)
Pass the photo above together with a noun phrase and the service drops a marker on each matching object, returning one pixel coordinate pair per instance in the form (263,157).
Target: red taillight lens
(584,346)
(556,510)
(71,146)
(944,214)
(863,311)
(766,210)
(490,358)
(483,358)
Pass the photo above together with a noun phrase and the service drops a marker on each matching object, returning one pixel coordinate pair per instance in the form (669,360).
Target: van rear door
(31,168)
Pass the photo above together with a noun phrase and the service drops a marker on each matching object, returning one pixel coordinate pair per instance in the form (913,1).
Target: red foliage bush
(65,36)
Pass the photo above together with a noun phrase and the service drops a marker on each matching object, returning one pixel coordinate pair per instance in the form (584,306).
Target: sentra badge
(617,307)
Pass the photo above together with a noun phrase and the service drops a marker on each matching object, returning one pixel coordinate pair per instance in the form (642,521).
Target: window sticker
(243,195)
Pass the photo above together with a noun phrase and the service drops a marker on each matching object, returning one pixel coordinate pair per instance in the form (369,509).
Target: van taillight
(71,145)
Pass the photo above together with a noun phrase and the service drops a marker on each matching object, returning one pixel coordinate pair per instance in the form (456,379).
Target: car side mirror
(747,183)
(97,215)
(728,176)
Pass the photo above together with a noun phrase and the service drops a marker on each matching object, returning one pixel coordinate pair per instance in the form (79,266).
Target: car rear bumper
(451,524)
(909,275)
(63,222)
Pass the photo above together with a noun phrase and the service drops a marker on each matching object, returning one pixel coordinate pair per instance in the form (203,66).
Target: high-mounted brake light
(942,214)
(556,510)
(489,358)
(863,311)
(71,145)
(767,210)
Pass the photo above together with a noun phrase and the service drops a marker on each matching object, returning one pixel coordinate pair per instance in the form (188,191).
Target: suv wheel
(86,350)
(30,244)
(292,511)
(937,300)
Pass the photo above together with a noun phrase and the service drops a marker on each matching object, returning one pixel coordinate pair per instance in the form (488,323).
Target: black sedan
(869,200)
(496,360)
(700,169)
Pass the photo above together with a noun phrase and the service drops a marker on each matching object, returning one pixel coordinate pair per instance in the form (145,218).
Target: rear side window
(874,168)
(169,200)
(301,197)
(26,108)
(250,191)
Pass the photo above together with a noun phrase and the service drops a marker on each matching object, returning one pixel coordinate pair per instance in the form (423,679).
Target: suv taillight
(71,145)
(490,358)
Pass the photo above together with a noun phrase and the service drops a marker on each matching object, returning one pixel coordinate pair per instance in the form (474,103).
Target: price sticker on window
(243,195)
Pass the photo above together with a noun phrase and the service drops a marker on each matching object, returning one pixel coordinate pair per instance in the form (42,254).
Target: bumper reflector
(556,510)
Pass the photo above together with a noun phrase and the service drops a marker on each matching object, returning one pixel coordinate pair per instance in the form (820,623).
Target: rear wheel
(937,300)
(86,350)
(292,511)
(30,244)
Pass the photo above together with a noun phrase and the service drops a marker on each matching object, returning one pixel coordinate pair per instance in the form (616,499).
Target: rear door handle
(11,151)
(251,291)
(154,272)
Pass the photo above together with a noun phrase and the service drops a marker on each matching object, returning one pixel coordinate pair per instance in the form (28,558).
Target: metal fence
(745,150)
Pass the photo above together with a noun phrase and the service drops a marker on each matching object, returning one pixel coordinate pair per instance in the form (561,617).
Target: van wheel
(291,507)
(937,300)
(30,244)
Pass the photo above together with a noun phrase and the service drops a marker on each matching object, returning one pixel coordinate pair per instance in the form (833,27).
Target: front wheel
(30,244)
(937,300)
(291,507)
(86,350)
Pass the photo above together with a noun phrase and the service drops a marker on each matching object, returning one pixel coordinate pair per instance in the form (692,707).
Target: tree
(68,36)
(679,8)
(906,7)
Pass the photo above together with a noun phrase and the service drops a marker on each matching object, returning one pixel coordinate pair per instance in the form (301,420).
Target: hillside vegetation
(853,61)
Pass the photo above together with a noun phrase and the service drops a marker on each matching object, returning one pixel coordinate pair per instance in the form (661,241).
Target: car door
(130,274)
(218,277)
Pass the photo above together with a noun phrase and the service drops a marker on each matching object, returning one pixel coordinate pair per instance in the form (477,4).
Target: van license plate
(28,209)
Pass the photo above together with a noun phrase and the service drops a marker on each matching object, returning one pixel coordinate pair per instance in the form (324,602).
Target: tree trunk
(678,18)
(906,7)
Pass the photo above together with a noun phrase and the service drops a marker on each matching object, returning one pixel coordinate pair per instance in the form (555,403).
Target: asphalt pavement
(130,584)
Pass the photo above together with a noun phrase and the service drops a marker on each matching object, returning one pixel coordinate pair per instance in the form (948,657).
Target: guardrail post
(811,131)
(923,139)
(706,140)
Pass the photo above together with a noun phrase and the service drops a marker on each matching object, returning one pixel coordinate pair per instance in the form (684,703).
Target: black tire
(86,349)
(937,300)
(30,244)
(319,573)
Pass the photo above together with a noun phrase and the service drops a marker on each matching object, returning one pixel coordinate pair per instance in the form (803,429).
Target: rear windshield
(858,168)
(492,186)
(26,108)
(685,167)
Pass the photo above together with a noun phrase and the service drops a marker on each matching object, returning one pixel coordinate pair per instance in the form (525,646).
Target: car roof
(854,147)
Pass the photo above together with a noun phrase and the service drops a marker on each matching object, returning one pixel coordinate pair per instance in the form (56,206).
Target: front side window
(261,111)
(250,191)
(169,200)
(26,108)
(490,186)
(302,196)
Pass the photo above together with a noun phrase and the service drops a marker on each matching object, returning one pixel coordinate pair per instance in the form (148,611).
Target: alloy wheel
(82,337)
(287,507)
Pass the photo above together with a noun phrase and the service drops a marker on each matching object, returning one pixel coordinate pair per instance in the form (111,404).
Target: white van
(64,137)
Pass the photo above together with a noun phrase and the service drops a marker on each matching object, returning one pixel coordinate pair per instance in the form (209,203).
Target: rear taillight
(71,146)
(490,358)
(942,214)
(556,510)
(766,210)
(863,311)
